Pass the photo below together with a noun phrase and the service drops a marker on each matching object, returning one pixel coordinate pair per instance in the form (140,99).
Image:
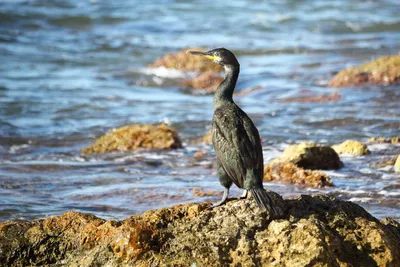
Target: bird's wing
(235,142)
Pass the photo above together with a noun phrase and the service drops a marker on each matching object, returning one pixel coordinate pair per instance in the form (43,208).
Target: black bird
(235,139)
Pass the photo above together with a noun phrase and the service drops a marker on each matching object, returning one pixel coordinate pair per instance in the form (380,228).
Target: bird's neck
(224,91)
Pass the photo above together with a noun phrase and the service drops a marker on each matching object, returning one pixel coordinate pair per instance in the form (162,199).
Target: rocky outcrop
(288,172)
(182,61)
(314,231)
(311,156)
(136,136)
(351,147)
(382,71)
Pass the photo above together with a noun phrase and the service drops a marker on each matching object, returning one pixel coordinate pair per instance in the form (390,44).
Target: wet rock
(136,136)
(208,81)
(288,172)
(382,71)
(351,147)
(396,166)
(182,61)
(384,163)
(311,156)
(380,140)
(314,99)
(314,231)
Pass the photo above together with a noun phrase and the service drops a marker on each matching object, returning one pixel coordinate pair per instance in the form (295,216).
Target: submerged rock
(136,136)
(311,156)
(182,61)
(314,231)
(393,140)
(351,147)
(382,71)
(314,98)
(288,172)
(396,166)
(208,81)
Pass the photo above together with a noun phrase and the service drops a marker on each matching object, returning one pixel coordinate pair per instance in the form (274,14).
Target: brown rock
(311,156)
(289,173)
(382,71)
(209,81)
(206,139)
(184,62)
(200,192)
(396,166)
(136,136)
(315,231)
(351,147)
(314,99)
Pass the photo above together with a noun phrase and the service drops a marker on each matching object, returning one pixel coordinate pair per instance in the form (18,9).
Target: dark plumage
(235,138)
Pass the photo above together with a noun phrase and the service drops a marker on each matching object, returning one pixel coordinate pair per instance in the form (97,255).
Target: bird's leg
(244,195)
(223,200)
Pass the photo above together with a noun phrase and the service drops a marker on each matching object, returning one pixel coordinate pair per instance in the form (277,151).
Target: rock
(314,99)
(396,166)
(351,147)
(288,172)
(201,192)
(136,136)
(382,71)
(384,163)
(314,231)
(182,61)
(393,140)
(311,156)
(205,139)
(209,81)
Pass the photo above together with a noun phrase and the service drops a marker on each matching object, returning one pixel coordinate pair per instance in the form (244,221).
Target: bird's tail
(263,200)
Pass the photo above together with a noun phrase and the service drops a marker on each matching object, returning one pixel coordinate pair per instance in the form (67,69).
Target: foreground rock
(382,71)
(136,136)
(315,231)
(288,172)
(351,147)
(311,156)
(182,61)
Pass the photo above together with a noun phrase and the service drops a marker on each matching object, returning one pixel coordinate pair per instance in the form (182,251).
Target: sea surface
(72,70)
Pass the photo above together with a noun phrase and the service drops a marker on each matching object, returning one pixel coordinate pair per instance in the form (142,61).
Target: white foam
(168,73)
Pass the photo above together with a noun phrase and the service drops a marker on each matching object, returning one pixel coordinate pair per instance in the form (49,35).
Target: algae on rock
(136,136)
(315,231)
(351,147)
(182,61)
(288,172)
(382,71)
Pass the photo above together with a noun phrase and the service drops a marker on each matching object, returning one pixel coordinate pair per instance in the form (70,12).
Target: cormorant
(235,139)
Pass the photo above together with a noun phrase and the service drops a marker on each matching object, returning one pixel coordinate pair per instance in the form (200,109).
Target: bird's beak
(204,54)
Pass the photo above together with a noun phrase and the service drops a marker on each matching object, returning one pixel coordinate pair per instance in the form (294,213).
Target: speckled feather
(237,144)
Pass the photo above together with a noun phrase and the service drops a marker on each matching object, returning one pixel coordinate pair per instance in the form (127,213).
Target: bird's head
(221,56)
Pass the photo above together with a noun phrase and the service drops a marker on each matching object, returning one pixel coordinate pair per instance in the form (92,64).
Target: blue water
(72,70)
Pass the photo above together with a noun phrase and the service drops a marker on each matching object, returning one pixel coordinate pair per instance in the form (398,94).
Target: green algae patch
(288,172)
(382,71)
(351,147)
(183,61)
(133,137)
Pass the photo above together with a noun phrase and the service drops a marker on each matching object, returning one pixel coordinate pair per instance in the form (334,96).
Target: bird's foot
(223,200)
